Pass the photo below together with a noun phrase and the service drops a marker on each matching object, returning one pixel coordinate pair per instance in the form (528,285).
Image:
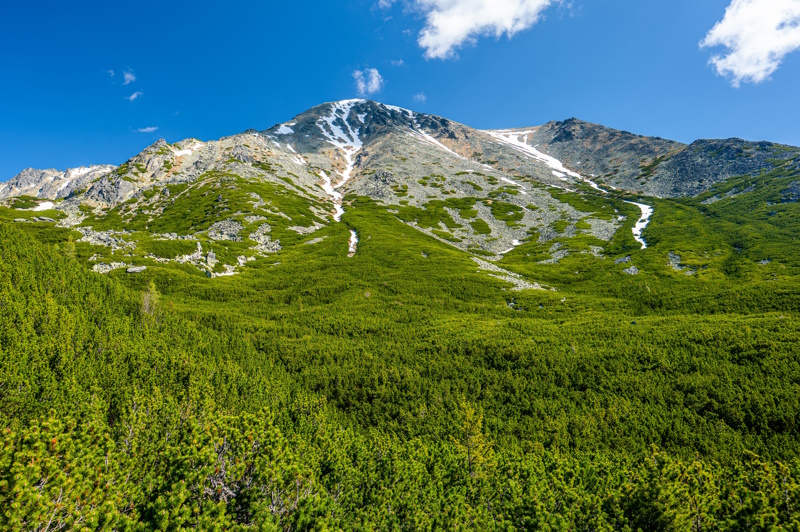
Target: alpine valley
(370,318)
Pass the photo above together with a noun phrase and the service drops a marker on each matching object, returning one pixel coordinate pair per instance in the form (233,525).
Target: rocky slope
(486,192)
(651,165)
(53,184)
(345,142)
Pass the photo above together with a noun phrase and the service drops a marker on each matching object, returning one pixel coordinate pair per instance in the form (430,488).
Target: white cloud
(449,24)
(129,77)
(135,96)
(758,35)
(110,73)
(368,81)
(398,62)
(151,129)
(421,98)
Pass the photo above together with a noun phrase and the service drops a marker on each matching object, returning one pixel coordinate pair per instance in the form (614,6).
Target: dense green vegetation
(402,388)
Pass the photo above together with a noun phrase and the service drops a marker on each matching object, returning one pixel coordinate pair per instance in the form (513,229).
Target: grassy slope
(398,334)
(397,338)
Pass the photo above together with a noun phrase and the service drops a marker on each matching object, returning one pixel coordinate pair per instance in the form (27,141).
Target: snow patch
(353,244)
(420,134)
(517,141)
(64,185)
(298,159)
(284,130)
(329,189)
(348,141)
(44,206)
(77,172)
(428,139)
(641,223)
(187,151)
(514,243)
(398,109)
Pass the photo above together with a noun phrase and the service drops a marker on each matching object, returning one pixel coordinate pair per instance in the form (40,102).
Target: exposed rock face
(225,230)
(612,156)
(791,194)
(703,163)
(104,268)
(105,238)
(52,184)
(264,243)
(382,151)
(654,166)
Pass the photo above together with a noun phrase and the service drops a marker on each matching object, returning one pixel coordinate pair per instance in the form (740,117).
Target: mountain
(371,318)
(53,184)
(359,138)
(653,166)
(482,191)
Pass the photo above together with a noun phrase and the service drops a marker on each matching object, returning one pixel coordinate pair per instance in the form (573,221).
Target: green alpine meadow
(372,318)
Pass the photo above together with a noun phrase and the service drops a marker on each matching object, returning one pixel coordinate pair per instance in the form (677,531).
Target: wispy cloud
(420,97)
(130,77)
(757,35)
(368,81)
(150,129)
(110,73)
(398,62)
(451,24)
(135,96)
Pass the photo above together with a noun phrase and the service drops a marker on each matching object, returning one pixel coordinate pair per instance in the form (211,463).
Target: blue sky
(205,69)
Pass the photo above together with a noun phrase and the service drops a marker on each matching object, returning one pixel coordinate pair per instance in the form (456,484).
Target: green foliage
(650,168)
(435,212)
(24,202)
(480,227)
(401,388)
(507,212)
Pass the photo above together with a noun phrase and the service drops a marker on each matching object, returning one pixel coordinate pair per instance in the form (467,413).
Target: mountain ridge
(485,192)
(623,160)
